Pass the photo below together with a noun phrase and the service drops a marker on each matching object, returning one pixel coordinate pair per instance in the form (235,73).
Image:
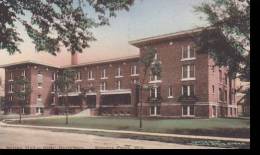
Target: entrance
(39,110)
(188,110)
(154,111)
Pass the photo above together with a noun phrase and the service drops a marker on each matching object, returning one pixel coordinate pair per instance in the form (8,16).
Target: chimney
(74,58)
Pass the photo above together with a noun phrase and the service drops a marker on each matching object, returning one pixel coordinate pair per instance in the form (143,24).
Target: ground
(21,138)
(212,127)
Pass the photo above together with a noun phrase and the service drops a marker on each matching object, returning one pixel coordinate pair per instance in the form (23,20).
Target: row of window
(11,77)
(187,90)
(134,72)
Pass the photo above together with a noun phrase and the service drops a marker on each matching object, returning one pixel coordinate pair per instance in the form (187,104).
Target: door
(154,111)
(188,110)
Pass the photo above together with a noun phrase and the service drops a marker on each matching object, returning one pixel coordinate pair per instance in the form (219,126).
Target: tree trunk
(141,107)
(20,115)
(66,110)
(141,101)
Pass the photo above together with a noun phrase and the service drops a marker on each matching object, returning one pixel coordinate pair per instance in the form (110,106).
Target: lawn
(213,127)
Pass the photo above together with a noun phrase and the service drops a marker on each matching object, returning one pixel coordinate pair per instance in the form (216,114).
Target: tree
(227,40)
(65,83)
(21,92)
(52,23)
(149,63)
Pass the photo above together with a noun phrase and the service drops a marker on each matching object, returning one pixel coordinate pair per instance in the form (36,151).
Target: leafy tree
(228,38)
(52,23)
(149,63)
(22,90)
(65,83)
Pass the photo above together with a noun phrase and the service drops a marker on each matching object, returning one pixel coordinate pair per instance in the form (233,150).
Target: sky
(146,18)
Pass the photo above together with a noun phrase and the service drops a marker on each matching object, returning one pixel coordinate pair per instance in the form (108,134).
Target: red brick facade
(203,93)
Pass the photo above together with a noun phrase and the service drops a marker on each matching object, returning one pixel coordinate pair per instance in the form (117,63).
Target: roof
(165,36)
(28,62)
(69,66)
(103,61)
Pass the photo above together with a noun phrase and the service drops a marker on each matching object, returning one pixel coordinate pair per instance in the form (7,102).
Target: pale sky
(146,18)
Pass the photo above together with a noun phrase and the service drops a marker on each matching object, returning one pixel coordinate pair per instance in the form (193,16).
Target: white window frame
(134,71)
(156,56)
(78,76)
(53,76)
(90,75)
(23,74)
(23,88)
(11,77)
(189,78)
(155,91)
(170,92)
(78,88)
(216,110)
(103,74)
(39,75)
(118,85)
(119,73)
(53,99)
(188,111)
(11,87)
(155,111)
(188,90)
(188,54)
(53,88)
(103,86)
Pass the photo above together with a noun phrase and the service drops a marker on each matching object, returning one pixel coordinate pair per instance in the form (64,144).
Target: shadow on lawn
(218,132)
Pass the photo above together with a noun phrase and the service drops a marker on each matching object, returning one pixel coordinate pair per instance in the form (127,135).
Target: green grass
(213,127)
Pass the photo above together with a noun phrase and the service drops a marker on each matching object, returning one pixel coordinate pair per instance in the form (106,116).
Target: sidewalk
(2,124)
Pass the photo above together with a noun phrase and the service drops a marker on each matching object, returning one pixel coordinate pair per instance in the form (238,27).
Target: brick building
(189,85)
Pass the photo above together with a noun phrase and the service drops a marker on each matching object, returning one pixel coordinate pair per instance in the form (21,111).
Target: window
(220,76)
(103,86)
(23,74)
(103,74)
(23,88)
(188,90)
(213,89)
(226,79)
(134,81)
(154,110)
(11,76)
(53,87)
(214,111)
(78,88)
(118,72)
(118,84)
(11,88)
(188,72)
(221,96)
(39,99)
(53,99)
(134,70)
(90,75)
(78,76)
(187,110)
(53,76)
(155,92)
(170,91)
(156,56)
(39,79)
(154,77)
(188,53)
(225,95)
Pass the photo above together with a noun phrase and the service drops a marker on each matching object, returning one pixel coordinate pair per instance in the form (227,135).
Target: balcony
(154,100)
(186,98)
